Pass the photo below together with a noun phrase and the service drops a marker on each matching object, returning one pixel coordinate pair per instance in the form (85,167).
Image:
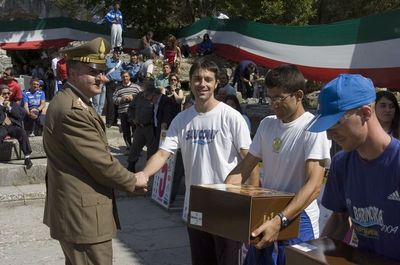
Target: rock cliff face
(26,9)
(5,61)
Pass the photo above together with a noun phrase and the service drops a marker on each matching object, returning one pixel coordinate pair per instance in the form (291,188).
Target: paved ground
(150,235)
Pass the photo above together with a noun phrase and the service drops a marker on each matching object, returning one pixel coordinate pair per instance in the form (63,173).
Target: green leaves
(168,16)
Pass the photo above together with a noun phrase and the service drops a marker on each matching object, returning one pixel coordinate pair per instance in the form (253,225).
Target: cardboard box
(329,251)
(234,211)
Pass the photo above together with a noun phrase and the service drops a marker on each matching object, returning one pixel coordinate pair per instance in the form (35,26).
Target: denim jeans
(99,99)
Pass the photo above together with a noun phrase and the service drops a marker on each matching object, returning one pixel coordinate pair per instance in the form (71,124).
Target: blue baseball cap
(345,92)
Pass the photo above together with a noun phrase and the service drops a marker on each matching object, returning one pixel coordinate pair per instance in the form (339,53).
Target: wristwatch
(284,220)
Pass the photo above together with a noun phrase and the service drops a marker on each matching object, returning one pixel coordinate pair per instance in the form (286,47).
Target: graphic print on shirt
(202,136)
(277,144)
(367,221)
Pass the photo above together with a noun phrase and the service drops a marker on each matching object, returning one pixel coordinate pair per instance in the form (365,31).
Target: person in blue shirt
(34,102)
(114,19)
(364,178)
(206,46)
(113,74)
(133,67)
(162,81)
(245,72)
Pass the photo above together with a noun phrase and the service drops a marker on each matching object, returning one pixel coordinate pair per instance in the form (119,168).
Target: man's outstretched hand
(141,181)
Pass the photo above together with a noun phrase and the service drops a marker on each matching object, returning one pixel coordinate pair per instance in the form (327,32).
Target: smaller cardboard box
(234,211)
(329,251)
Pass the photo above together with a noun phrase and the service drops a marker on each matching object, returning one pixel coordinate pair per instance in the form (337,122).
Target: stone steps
(10,149)
(22,194)
(14,172)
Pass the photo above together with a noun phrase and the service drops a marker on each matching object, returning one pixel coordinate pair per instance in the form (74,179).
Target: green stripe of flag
(372,28)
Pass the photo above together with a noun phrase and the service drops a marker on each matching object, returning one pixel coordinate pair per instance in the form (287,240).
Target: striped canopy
(53,33)
(369,46)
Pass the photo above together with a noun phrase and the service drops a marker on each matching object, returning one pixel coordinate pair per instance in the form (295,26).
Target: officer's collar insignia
(81,103)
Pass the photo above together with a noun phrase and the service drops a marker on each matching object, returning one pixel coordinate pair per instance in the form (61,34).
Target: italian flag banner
(369,46)
(53,33)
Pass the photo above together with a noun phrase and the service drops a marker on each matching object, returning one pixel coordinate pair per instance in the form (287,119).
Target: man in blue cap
(364,178)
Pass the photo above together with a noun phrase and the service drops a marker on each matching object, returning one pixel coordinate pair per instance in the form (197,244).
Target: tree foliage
(167,16)
(271,11)
(336,10)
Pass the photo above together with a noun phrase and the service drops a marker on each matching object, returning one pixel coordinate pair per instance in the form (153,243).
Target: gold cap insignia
(92,53)
(102,50)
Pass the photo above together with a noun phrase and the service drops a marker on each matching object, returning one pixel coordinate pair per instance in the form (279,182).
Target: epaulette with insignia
(83,104)
(79,104)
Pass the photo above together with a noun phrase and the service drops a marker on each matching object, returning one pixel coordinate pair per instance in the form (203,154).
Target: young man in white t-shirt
(293,161)
(213,138)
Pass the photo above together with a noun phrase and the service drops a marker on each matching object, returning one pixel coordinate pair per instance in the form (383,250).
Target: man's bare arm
(155,163)
(243,170)
(254,178)
(308,193)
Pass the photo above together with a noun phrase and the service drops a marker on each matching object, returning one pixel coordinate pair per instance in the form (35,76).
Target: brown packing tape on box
(234,211)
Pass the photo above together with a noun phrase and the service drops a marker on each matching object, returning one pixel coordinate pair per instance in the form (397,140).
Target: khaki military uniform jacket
(81,172)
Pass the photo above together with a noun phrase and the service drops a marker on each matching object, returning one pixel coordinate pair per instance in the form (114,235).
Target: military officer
(81,176)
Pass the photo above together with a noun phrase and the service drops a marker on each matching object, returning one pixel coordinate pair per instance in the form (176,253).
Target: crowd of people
(213,136)
(22,112)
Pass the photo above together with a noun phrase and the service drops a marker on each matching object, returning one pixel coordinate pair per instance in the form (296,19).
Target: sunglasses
(6,93)
(174,79)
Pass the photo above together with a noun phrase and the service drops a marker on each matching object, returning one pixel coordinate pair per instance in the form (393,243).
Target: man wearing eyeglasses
(11,123)
(364,178)
(293,161)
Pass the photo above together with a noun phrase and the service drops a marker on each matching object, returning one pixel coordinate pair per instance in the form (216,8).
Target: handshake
(142,180)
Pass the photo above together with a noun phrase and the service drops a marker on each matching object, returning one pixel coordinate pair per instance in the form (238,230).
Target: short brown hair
(286,77)
(206,64)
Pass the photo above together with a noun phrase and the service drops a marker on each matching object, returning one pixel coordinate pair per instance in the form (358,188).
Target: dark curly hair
(395,122)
